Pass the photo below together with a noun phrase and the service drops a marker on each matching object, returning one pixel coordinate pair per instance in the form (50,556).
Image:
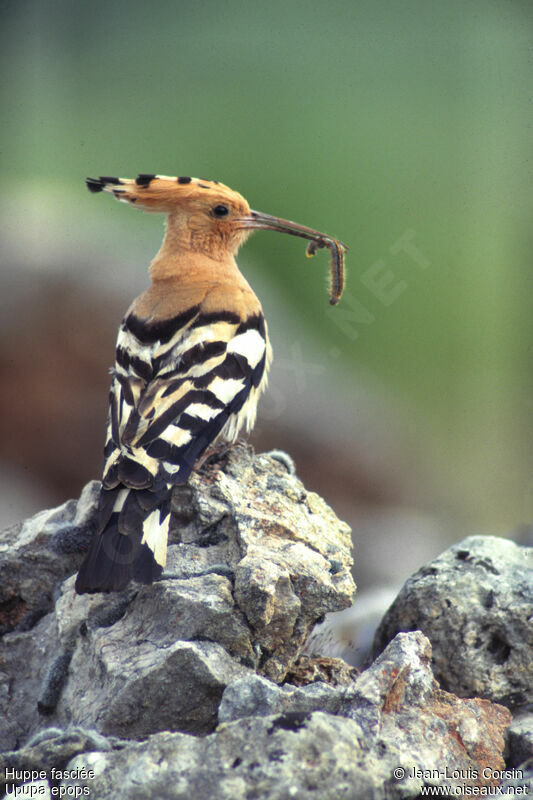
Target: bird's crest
(166,194)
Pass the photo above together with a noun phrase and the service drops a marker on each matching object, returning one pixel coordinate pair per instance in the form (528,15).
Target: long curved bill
(317,240)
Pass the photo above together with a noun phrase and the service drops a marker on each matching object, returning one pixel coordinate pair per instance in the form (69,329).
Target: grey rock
(283,548)
(295,558)
(269,758)
(25,660)
(398,703)
(393,717)
(74,613)
(255,696)
(398,707)
(475,604)
(254,561)
(196,608)
(132,690)
(36,554)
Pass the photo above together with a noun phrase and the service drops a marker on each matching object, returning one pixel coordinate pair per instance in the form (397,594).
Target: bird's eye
(221,211)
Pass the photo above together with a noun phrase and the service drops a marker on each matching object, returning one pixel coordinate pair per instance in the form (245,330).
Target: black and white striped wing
(174,395)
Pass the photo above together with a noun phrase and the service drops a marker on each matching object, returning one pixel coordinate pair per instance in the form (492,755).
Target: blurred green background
(371,121)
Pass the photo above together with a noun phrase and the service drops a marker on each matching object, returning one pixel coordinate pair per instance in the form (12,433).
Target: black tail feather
(117,554)
(131,517)
(108,565)
(145,568)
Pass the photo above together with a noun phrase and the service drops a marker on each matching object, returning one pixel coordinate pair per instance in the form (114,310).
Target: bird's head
(208,217)
(203,215)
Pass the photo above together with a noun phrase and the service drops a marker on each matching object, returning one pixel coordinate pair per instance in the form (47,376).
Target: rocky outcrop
(392,731)
(198,686)
(254,561)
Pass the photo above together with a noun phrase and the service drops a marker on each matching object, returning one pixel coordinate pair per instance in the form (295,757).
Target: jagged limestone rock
(256,696)
(38,553)
(288,554)
(394,732)
(254,561)
(475,604)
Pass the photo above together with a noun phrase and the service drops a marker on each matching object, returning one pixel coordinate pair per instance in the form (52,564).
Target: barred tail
(131,540)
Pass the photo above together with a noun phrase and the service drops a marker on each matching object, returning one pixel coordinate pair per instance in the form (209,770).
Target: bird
(192,359)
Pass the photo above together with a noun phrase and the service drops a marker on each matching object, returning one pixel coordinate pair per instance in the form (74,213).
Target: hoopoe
(192,359)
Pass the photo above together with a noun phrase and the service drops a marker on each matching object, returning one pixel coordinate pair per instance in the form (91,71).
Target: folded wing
(174,396)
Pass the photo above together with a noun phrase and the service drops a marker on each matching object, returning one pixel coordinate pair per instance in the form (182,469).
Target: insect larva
(337,250)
